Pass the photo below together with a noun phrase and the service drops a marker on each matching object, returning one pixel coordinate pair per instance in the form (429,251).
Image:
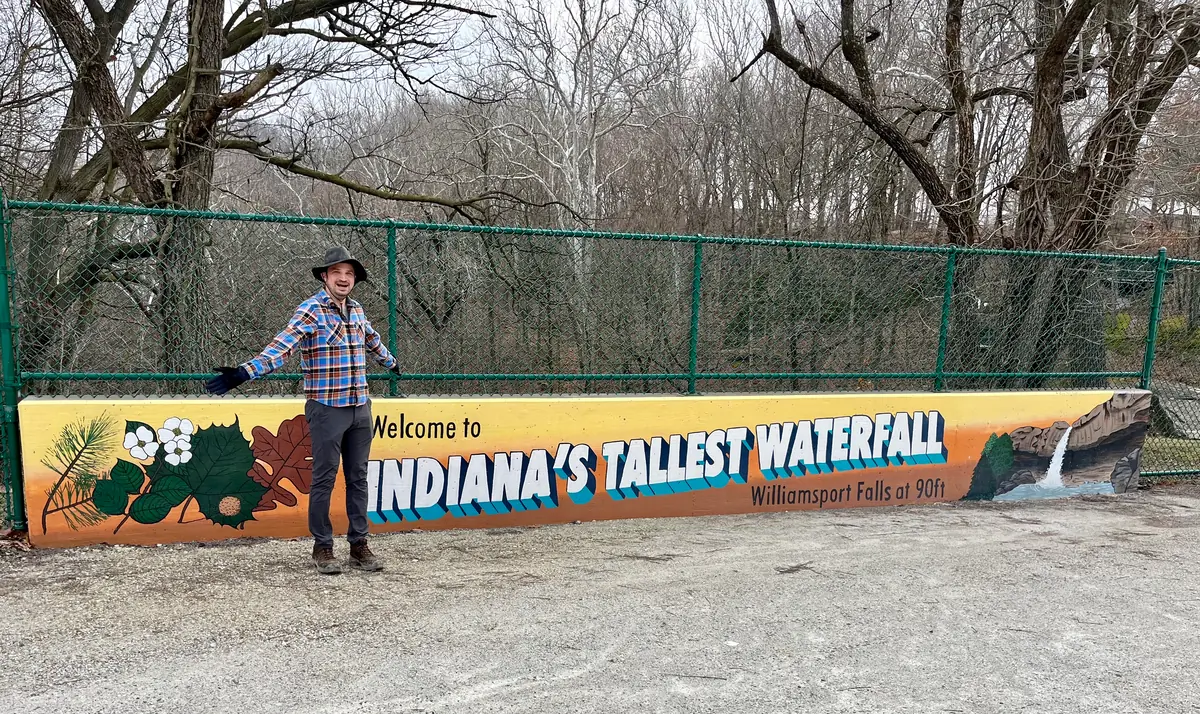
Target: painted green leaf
(159,469)
(149,508)
(110,497)
(172,488)
(232,509)
(131,427)
(128,476)
(218,475)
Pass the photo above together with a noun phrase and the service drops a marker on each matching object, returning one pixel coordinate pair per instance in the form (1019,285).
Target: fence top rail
(133,210)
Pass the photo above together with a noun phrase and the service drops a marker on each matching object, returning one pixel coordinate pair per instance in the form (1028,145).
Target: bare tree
(193,84)
(567,84)
(571,79)
(1073,172)
(30,84)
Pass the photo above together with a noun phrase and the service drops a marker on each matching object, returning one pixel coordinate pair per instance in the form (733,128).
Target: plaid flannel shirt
(332,351)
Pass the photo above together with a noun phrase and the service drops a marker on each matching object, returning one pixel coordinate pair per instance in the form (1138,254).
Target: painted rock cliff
(1103,445)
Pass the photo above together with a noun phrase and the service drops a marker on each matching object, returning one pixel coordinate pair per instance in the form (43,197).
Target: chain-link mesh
(467,304)
(1039,321)
(811,314)
(12,514)
(8,485)
(153,296)
(1173,444)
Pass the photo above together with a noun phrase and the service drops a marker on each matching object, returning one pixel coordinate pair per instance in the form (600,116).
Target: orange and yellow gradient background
(526,423)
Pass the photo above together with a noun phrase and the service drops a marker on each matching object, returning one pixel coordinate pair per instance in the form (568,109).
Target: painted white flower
(178,451)
(174,428)
(141,443)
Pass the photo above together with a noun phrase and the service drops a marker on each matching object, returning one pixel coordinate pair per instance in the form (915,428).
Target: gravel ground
(1085,605)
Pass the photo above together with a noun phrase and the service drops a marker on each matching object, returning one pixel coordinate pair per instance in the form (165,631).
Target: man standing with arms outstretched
(333,336)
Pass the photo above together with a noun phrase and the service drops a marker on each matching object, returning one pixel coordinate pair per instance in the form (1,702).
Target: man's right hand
(229,378)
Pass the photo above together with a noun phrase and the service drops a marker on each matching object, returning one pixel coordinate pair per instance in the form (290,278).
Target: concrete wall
(162,470)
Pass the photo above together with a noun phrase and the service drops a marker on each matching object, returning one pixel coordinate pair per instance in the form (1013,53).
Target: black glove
(229,378)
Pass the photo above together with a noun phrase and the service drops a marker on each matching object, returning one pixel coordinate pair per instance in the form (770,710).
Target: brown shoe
(323,557)
(361,557)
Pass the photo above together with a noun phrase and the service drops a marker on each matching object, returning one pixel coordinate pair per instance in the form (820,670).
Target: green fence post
(944,330)
(1160,279)
(393,297)
(694,333)
(10,447)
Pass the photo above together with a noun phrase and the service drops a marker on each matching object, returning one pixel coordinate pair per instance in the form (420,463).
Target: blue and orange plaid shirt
(333,351)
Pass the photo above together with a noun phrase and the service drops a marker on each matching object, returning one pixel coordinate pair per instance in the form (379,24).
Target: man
(333,336)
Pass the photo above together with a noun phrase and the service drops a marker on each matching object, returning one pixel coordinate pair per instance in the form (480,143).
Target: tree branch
(1072,95)
(1184,48)
(97,11)
(96,269)
(761,53)
(116,19)
(965,172)
(293,165)
(139,72)
(1066,32)
(960,229)
(232,101)
(855,52)
(456,8)
(85,51)
(985,94)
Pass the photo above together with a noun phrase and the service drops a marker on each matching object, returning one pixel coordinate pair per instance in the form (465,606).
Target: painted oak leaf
(286,456)
(275,494)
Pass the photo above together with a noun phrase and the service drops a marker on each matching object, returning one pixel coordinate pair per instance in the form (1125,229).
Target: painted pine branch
(76,456)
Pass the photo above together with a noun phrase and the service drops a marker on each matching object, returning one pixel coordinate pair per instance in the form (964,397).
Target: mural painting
(167,470)
(1100,452)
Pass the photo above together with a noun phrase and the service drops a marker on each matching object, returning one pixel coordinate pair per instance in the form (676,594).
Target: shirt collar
(326,299)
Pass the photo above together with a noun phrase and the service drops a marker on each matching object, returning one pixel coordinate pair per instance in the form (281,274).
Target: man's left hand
(396,371)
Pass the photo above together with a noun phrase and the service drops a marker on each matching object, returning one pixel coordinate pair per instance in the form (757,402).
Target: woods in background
(1039,124)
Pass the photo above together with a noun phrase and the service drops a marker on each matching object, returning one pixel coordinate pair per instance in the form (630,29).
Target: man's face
(339,280)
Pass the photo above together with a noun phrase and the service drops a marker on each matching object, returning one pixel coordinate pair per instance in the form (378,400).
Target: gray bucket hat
(338,254)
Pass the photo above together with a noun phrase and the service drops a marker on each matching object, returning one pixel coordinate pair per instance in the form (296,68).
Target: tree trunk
(183,266)
(1087,349)
(1019,302)
(47,334)
(963,341)
(1064,314)
(1188,282)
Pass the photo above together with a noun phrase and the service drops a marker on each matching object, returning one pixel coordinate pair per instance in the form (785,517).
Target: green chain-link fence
(1173,445)
(11,496)
(120,300)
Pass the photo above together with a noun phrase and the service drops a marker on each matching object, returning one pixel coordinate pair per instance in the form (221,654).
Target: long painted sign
(162,470)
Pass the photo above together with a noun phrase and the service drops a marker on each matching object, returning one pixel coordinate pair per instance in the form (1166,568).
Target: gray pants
(338,434)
